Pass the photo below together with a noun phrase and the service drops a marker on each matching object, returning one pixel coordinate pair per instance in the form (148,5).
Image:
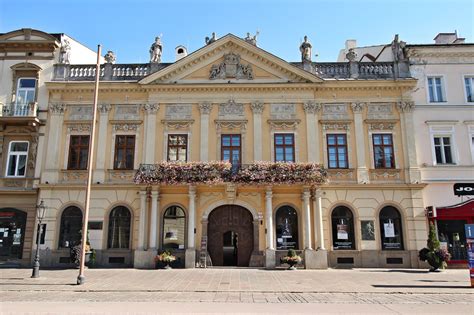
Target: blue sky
(128,27)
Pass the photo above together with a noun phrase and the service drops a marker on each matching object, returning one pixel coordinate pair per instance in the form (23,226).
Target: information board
(469,228)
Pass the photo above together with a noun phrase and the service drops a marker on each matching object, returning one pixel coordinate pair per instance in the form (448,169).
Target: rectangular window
(443,153)
(284,147)
(337,151)
(436,89)
(124,152)
(231,148)
(78,152)
(469,84)
(17,159)
(178,148)
(25,94)
(383,151)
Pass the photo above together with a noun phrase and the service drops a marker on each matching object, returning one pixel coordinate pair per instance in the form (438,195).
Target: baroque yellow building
(233,101)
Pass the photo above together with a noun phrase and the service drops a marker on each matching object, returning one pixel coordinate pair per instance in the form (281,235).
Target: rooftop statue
(110,57)
(65,52)
(305,49)
(252,39)
(212,39)
(156,50)
(398,49)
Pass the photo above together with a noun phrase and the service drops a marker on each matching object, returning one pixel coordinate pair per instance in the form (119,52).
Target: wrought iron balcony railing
(19,109)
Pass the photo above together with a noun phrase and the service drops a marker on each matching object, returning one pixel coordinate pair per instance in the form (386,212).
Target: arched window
(174,228)
(71,226)
(391,228)
(119,228)
(342,228)
(286,228)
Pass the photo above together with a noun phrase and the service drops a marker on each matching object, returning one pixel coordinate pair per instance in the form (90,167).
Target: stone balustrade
(19,110)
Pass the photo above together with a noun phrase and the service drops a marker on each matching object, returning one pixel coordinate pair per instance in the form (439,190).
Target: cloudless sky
(128,27)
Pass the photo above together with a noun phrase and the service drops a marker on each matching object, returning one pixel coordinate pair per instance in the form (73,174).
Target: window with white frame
(436,90)
(17,159)
(26,90)
(469,85)
(443,149)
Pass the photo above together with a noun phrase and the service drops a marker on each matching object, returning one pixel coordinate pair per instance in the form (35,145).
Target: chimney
(351,43)
(448,38)
(180,52)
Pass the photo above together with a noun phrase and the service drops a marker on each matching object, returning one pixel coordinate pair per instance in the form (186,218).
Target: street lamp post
(40,211)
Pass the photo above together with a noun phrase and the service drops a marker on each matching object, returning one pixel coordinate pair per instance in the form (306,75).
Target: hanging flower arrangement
(217,172)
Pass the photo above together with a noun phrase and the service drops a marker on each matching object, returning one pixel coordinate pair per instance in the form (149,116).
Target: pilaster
(205,110)
(361,143)
(99,172)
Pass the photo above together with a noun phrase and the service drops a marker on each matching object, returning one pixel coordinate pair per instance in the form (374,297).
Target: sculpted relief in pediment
(231,67)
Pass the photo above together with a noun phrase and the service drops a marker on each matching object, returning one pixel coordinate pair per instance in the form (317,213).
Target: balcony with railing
(19,110)
(219,172)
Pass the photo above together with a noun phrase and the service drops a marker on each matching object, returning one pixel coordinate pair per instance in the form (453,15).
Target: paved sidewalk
(132,291)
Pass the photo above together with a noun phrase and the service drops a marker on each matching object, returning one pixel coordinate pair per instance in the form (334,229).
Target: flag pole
(81,278)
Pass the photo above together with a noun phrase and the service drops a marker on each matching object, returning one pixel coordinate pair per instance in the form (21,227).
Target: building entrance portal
(230,236)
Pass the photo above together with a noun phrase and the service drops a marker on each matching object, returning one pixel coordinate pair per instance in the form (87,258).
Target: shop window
(342,228)
(71,226)
(284,147)
(337,151)
(124,152)
(383,151)
(174,227)
(17,159)
(286,228)
(78,152)
(452,237)
(177,148)
(391,229)
(12,233)
(119,228)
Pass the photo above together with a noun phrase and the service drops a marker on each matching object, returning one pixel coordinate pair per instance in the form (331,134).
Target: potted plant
(291,259)
(435,256)
(166,258)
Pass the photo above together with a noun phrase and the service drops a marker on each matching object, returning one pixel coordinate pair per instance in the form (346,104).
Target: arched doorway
(230,236)
(12,233)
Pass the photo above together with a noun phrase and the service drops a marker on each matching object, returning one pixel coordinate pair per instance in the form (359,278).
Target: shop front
(450,222)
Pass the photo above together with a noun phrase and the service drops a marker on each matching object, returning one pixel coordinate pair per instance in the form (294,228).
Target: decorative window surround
(295,144)
(16,155)
(284,126)
(394,146)
(376,124)
(75,129)
(125,128)
(440,128)
(177,132)
(470,132)
(337,127)
(231,127)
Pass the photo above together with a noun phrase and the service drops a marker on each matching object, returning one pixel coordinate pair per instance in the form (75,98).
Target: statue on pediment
(212,39)
(305,49)
(231,68)
(251,39)
(156,50)
(110,57)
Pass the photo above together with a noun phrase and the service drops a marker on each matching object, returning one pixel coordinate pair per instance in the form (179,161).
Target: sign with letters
(464,189)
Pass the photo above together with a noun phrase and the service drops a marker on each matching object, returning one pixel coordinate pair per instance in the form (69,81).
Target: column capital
(268,192)
(357,107)
(192,190)
(151,108)
(405,107)
(306,194)
(155,193)
(142,192)
(311,107)
(104,109)
(318,193)
(57,109)
(205,108)
(257,107)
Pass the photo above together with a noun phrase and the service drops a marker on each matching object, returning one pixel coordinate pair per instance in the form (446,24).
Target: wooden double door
(230,236)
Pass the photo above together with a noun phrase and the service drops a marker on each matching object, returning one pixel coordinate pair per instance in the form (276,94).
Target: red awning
(463,209)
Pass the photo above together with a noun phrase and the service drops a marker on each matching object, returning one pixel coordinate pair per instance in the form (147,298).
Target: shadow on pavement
(421,286)
(398,270)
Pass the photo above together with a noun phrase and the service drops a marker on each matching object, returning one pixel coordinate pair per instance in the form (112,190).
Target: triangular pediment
(230,59)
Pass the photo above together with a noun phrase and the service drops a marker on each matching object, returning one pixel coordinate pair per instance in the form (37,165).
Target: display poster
(389,230)
(469,229)
(342,232)
(368,230)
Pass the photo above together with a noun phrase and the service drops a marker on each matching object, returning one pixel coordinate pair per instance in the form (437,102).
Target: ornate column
(361,144)
(142,221)
(318,219)
(269,217)
(205,109)
(307,218)
(99,173)
(312,137)
(192,216)
(150,132)
(56,118)
(154,221)
(412,174)
(257,109)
